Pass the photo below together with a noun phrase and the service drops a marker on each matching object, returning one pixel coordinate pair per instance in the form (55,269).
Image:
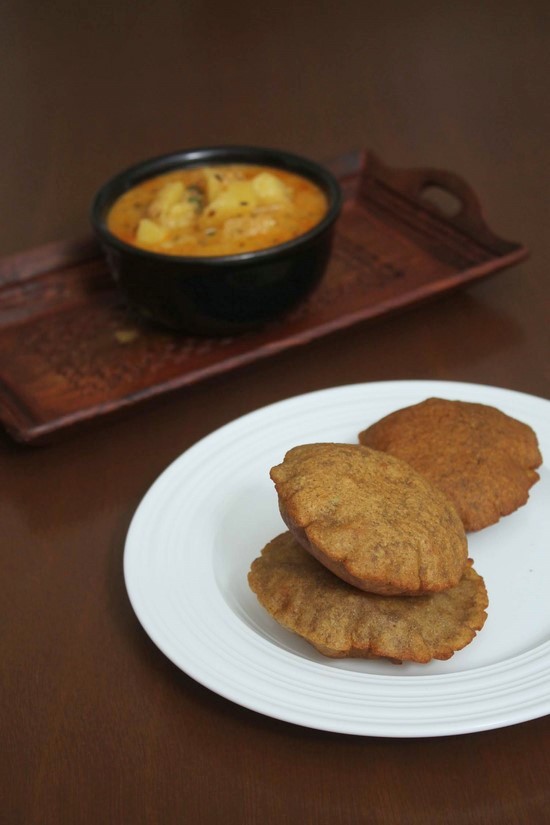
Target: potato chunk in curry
(217,210)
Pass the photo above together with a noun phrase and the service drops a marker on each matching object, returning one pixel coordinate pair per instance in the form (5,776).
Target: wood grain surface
(97,725)
(72,353)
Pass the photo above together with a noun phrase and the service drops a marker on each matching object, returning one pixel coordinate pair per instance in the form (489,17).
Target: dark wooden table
(97,725)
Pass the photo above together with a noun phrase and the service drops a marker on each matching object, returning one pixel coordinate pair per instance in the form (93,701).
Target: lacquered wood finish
(72,351)
(97,725)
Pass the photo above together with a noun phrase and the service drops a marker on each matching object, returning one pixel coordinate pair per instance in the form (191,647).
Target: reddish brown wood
(97,726)
(71,352)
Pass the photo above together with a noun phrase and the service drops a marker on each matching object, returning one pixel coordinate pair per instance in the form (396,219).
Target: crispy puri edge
(469,628)
(339,568)
(370,437)
(324,650)
(353,653)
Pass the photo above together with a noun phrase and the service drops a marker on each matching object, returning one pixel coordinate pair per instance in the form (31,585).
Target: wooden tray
(70,352)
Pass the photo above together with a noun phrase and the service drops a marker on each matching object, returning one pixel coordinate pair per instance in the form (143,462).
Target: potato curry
(217,210)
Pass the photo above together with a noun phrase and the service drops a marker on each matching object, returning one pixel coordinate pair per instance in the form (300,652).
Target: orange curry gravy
(217,210)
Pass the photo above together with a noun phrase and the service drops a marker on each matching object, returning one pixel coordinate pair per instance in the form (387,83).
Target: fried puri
(371,519)
(341,621)
(482,459)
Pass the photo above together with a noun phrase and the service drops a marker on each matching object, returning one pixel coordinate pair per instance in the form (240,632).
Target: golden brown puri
(482,459)
(341,621)
(371,519)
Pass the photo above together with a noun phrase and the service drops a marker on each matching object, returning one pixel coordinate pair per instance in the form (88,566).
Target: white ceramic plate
(206,518)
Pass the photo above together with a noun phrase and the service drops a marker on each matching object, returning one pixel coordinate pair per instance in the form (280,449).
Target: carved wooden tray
(70,351)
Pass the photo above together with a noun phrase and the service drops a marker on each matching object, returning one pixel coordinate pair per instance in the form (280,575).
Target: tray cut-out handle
(435,190)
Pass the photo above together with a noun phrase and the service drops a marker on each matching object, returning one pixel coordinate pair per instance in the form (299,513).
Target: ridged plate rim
(205,623)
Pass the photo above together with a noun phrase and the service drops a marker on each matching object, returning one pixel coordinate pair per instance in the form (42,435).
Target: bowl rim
(126,179)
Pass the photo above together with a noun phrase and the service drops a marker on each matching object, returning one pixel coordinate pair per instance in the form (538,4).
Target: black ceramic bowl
(224,294)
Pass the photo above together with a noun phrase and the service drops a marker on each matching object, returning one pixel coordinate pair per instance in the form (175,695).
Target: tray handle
(416,185)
